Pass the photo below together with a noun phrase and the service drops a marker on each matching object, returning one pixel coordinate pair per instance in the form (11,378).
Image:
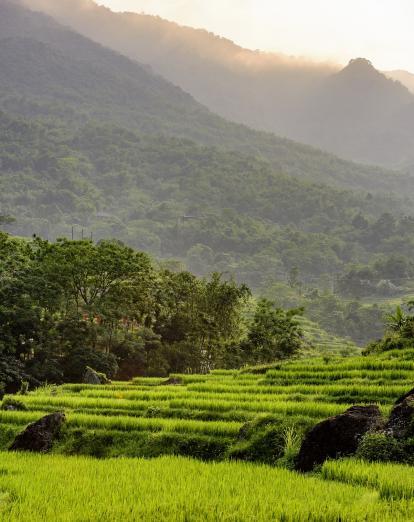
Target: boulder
(337,436)
(172,381)
(401,421)
(40,435)
(93,377)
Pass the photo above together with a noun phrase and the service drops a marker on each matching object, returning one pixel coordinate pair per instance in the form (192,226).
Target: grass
(393,481)
(126,423)
(255,414)
(38,488)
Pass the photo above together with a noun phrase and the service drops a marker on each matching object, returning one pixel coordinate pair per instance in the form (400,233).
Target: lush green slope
(51,71)
(359,113)
(204,415)
(211,208)
(256,415)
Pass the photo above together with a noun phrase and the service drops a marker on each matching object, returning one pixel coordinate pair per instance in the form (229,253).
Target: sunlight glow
(335,30)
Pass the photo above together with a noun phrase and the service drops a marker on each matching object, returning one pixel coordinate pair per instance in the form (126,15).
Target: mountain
(48,69)
(266,91)
(95,144)
(249,87)
(374,113)
(404,77)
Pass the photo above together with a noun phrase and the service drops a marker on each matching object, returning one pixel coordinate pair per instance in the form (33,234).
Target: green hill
(178,199)
(357,113)
(93,143)
(50,71)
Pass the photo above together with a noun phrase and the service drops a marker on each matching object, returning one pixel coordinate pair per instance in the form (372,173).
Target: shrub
(13,404)
(111,443)
(393,342)
(264,446)
(78,359)
(379,447)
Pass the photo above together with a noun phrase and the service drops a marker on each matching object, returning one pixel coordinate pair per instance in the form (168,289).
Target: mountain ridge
(131,95)
(281,95)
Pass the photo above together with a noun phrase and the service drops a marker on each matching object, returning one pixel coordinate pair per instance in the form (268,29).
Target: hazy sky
(381,30)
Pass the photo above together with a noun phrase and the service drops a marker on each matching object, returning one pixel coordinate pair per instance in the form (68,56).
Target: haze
(380,30)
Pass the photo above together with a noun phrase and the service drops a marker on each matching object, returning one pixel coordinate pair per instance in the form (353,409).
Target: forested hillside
(95,144)
(177,199)
(356,113)
(51,72)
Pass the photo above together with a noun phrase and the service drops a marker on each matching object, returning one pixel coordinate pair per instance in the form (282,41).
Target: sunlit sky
(334,30)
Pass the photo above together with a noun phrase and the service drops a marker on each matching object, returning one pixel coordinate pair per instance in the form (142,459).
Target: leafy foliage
(69,305)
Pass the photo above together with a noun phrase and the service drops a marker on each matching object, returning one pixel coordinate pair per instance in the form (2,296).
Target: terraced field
(214,417)
(320,341)
(203,415)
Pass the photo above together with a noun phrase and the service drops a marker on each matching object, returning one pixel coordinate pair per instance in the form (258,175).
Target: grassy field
(38,488)
(258,414)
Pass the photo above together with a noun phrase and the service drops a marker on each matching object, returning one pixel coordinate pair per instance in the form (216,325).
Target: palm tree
(397,320)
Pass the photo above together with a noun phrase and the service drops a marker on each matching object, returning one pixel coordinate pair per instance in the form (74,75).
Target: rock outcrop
(40,435)
(337,436)
(91,376)
(400,424)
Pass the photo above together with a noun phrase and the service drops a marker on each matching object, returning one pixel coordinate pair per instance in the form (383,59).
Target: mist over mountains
(93,139)
(98,143)
(266,91)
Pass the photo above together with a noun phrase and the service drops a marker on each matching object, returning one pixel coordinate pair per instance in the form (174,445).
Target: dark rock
(40,435)
(172,381)
(337,436)
(406,396)
(401,421)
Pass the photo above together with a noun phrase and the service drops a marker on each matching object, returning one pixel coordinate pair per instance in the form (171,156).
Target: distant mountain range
(358,113)
(404,77)
(48,69)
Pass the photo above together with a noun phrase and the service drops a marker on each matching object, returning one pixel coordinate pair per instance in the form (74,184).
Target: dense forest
(73,304)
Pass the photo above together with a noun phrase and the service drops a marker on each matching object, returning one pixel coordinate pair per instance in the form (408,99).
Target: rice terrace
(220,446)
(206,261)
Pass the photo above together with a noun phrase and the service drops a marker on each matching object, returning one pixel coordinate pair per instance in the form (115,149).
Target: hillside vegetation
(95,145)
(74,79)
(357,113)
(214,416)
(253,420)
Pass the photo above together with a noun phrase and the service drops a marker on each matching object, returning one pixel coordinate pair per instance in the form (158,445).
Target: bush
(264,446)
(13,404)
(378,447)
(387,344)
(104,444)
(78,359)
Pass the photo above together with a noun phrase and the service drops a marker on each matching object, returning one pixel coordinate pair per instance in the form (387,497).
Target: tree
(273,334)
(198,318)
(397,321)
